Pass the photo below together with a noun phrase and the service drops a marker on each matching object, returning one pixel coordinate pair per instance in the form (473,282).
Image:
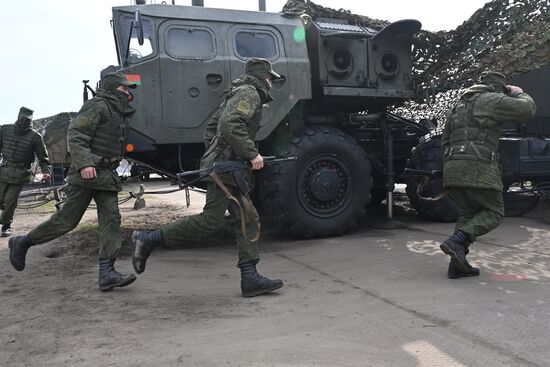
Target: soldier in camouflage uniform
(96,142)
(471,171)
(229,135)
(19,144)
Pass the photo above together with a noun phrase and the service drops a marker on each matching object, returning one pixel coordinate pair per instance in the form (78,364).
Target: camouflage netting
(54,130)
(512,36)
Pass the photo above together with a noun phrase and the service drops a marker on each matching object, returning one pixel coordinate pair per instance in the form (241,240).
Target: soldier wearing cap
(96,141)
(229,135)
(471,171)
(19,144)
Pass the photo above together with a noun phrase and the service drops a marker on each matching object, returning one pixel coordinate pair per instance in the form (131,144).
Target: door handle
(279,82)
(214,80)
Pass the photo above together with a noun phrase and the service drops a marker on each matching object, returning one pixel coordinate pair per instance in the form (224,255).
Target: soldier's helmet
(260,68)
(25,112)
(111,81)
(495,79)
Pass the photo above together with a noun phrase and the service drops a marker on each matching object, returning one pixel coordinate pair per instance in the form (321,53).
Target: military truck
(329,107)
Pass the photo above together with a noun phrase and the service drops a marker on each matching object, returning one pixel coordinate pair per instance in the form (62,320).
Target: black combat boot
(253,284)
(6,230)
(109,278)
(18,251)
(145,242)
(455,273)
(455,246)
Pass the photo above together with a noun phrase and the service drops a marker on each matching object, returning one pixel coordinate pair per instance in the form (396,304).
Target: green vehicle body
(329,107)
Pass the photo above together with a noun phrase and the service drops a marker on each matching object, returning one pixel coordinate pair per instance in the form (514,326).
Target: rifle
(234,167)
(420,172)
(229,167)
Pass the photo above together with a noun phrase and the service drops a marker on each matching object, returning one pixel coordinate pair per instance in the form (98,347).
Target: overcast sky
(50,46)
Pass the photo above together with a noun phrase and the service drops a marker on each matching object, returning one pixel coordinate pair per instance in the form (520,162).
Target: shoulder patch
(82,121)
(244,107)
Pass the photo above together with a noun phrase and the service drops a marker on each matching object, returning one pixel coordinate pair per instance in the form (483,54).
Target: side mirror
(135,26)
(138,27)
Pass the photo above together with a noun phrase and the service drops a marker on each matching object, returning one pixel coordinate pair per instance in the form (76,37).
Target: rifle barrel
(194,172)
(269,160)
(228,166)
(420,172)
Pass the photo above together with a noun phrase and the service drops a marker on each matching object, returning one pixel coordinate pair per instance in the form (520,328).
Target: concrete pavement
(374,297)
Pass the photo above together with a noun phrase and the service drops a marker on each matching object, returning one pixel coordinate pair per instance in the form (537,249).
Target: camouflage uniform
(471,171)
(96,138)
(229,135)
(19,144)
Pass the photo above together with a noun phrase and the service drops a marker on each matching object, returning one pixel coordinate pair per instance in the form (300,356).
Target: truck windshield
(136,52)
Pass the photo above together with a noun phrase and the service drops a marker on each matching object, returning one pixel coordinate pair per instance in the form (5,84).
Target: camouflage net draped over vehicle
(511,36)
(54,129)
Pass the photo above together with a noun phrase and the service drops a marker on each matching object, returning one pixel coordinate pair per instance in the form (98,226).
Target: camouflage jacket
(96,138)
(231,131)
(18,153)
(471,136)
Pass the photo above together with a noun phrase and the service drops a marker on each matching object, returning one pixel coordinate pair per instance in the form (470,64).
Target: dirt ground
(375,297)
(159,210)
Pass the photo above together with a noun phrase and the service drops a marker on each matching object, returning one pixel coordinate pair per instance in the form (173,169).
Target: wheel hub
(325,186)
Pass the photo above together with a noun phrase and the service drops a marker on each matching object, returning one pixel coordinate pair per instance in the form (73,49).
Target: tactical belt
(470,151)
(246,212)
(15,165)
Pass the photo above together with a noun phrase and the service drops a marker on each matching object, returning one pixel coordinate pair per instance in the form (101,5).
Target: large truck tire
(427,155)
(323,193)
(519,203)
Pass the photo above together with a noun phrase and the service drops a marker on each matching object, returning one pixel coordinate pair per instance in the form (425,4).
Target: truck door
(193,74)
(245,41)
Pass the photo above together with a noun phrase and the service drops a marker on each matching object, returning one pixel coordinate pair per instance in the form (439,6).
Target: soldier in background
(96,139)
(229,135)
(471,170)
(19,145)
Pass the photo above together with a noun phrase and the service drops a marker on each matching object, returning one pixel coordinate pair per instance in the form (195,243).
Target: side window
(190,43)
(137,51)
(256,44)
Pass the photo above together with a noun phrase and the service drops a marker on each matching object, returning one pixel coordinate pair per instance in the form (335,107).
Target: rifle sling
(247,210)
(425,181)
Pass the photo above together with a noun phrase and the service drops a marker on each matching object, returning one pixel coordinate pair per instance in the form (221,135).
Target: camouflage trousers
(71,212)
(9,193)
(481,210)
(207,223)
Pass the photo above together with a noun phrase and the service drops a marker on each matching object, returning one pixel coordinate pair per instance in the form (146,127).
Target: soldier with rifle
(19,144)
(471,170)
(229,136)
